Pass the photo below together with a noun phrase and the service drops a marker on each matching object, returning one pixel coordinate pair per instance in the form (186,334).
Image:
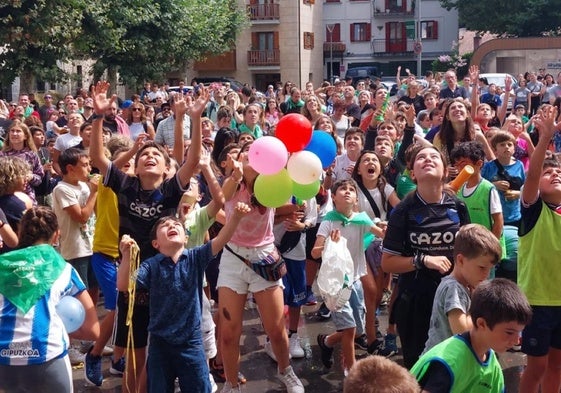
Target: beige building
(283,42)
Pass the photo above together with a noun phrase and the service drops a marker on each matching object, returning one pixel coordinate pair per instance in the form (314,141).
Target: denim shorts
(240,278)
(294,283)
(187,363)
(352,313)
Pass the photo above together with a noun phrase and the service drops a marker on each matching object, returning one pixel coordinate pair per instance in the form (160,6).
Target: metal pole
(420,54)
(330,28)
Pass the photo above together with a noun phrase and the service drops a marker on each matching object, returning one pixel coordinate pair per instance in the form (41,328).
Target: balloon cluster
(291,163)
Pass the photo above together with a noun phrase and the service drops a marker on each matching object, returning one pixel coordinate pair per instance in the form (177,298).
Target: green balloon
(273,190)
(305,191)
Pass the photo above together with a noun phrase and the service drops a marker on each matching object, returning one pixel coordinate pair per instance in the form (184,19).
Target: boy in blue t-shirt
(507,175)
(174,278)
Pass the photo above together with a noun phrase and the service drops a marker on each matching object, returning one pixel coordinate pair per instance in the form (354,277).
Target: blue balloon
(71,312)
(323,145)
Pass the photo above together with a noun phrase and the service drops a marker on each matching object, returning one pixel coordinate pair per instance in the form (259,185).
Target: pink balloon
(267,155)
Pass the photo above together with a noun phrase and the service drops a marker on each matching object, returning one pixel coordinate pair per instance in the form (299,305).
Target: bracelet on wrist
(2,223)
(95,116)
(419,261)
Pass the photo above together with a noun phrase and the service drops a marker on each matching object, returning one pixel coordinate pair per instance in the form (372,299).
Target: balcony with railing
(263,12)
(263,58)
(335,47)
(393,12)
(393,47)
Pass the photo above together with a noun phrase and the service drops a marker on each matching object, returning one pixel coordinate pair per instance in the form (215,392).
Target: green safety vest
(467,373)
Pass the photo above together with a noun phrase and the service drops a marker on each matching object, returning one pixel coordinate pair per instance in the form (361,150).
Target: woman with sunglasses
(138,123)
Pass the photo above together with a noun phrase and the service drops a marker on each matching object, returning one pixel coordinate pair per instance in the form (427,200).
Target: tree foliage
(515,18)
(140,39)
(36,34)
(145,39)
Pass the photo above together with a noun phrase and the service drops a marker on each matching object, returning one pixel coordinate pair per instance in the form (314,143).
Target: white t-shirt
(342,162)
(364,204)
(66,141)
(75,238)
(355,243)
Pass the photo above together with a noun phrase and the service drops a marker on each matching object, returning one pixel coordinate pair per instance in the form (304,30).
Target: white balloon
(304,167)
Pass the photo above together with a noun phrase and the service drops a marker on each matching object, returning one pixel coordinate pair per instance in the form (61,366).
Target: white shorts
(236,275)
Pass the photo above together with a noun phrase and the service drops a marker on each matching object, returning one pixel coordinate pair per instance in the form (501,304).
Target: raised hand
(545,122)
(196,107)
(99,94)
(474,74)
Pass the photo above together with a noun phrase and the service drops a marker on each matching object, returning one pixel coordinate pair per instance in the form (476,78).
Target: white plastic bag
(335,276)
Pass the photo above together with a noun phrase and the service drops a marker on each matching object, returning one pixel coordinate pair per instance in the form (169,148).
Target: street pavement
(260,370)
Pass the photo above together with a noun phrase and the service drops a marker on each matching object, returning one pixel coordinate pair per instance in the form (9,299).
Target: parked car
(499,80)
(207,80)
(361,72)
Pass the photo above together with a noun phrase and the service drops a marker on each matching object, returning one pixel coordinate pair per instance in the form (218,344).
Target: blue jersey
(38,335)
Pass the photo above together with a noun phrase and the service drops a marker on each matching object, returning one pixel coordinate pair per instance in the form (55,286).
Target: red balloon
(295,131)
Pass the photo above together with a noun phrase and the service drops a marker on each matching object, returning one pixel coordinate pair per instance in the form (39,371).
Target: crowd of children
(164,231)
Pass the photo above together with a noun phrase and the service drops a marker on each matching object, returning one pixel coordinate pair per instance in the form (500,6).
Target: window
(429,30)
(332,1)
(335,34)
(266,41)
(360,32)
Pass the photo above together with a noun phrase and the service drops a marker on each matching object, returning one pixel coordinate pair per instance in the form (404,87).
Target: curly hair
(12,169)
(38,224)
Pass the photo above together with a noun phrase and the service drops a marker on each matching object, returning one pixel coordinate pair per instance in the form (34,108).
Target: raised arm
(101,103)
(501,114)
(194,109)
(228,230)
(217,197)
(546,124)
(474,78)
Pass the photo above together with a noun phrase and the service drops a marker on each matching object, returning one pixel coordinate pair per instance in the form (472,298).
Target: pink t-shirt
(255,229)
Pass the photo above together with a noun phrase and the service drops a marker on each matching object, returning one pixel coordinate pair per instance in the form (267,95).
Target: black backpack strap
(370,199)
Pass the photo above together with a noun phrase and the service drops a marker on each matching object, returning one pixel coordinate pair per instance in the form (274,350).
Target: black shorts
(310,241)
(543,332)
(140,319)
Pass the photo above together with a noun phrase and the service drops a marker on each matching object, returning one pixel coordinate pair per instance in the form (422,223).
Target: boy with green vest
(539,251)
(479,194)
(467,362)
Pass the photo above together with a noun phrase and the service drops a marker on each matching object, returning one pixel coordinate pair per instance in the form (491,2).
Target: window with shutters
(360,32)
(429,30)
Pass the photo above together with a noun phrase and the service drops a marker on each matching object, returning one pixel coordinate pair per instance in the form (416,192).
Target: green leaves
(142,39)
(519,18)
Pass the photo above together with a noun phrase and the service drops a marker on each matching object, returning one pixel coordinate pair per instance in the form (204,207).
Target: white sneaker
(295,347)
(269,351)
(75,356)
(228,388)
(213,385)
(107,351)
(291,381)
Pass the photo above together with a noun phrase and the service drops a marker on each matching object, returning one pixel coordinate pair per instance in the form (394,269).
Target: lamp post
(418,36)
(330,28)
